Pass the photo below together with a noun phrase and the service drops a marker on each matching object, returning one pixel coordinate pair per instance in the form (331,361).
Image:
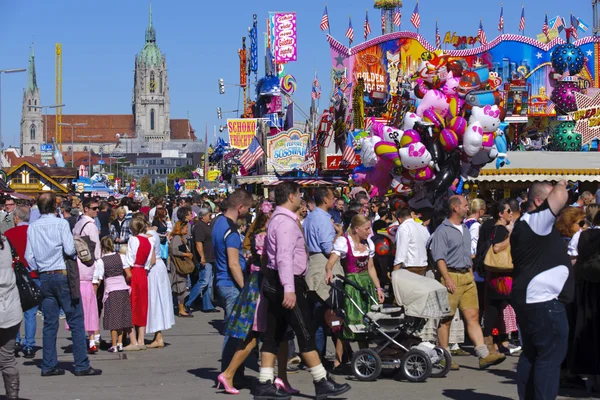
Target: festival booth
(432,120)
(28,178)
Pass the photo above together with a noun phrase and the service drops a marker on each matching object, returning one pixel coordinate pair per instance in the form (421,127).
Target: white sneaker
(512,348)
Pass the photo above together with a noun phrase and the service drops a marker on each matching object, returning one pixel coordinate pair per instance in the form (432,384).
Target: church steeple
(31,79)
(150,32)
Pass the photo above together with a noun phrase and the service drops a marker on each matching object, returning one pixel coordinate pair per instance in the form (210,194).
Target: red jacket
(18,240)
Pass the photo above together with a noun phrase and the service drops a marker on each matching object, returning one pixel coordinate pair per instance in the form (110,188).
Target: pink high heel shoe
(288,389)
(228,389)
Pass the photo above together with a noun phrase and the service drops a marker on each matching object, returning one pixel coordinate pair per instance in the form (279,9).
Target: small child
(117,307)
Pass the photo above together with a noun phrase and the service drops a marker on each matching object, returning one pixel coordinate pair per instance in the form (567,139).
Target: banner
(287,150)
(213,175)
(191,184)
(285,37)
(241,132)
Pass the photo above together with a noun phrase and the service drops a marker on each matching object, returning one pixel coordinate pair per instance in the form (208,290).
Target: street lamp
(46,118)
(6,71)
(89,137)
(72,134)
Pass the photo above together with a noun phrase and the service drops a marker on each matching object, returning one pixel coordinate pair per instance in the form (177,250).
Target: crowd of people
(522,272)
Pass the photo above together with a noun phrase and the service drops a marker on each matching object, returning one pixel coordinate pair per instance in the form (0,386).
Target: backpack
(85,247)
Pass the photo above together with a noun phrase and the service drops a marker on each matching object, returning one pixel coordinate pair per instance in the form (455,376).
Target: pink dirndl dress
(89,302)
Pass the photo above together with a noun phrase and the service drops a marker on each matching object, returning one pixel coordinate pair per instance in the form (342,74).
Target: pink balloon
(458,125)
(434,100)
(380,176)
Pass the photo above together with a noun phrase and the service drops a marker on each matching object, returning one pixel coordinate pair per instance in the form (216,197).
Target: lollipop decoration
(288,84)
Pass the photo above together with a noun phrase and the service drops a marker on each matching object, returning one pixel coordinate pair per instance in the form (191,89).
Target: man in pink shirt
(285,289)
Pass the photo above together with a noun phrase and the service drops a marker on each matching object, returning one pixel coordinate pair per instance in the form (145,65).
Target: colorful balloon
(433,100)
(389,151)
(473,139)
(409,121)
(458,126)
(448,139)
(434,118)
(563,96)
(415,156)
(410,136)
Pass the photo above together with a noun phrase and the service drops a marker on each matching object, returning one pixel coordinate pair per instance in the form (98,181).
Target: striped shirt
(47,238)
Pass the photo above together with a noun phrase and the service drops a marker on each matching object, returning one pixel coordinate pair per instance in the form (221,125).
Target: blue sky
(200,39)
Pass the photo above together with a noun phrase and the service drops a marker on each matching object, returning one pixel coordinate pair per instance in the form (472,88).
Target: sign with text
(241,132)
(285,37)
(191,184)
(213,175)
(287,150)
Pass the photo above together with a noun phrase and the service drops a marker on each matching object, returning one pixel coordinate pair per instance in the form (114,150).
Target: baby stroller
(397,350)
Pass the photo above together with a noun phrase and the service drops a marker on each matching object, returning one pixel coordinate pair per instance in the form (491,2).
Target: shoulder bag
(498,262)
(29,292)
(183,265)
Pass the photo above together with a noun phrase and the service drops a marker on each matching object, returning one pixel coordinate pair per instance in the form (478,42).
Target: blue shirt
(225,235)
(337,216)
(319,232)
(47,238)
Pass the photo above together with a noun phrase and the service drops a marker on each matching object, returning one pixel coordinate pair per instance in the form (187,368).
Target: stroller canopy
(420,296)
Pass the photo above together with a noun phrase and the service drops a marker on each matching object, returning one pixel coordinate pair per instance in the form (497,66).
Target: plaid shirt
(123,235)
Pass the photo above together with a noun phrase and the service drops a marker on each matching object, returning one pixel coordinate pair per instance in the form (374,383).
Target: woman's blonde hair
(120,210)
(476,205)
(566,219)
(358,220)
(590,213)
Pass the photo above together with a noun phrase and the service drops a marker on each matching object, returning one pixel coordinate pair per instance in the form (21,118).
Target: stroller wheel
(366,365)
(441,368)
(416,366)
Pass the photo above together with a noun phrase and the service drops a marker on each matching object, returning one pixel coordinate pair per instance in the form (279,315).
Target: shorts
(465,295)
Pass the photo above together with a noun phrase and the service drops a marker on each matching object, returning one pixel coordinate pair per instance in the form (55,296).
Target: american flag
(438,38)
(382,21)
(325,20)
(549,108)
(251,155)
(545,28)
(367,25)
(481,34)
(415,18)
(349,156)
(397,17)
(501,21)
(316,89)
(350,31)
(522,21)
(574,25)
(312,149)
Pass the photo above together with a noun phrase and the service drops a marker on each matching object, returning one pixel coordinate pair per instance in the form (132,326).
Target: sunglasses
(582,223)
(508,210)
(95,208)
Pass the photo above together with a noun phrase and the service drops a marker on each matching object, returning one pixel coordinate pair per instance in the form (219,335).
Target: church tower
(151,102)
(32,127)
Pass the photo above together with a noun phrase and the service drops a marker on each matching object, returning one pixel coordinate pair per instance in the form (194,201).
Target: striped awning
(311,182)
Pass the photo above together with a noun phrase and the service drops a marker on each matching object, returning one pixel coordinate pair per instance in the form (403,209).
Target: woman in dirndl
(355,251)
(140,258)
(248,317)
(112,269)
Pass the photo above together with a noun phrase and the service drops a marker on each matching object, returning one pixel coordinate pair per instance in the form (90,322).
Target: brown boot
(491,359)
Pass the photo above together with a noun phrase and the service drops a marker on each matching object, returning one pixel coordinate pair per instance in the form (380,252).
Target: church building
(148,129)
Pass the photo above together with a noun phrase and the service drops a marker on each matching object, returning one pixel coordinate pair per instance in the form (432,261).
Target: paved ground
(187,369)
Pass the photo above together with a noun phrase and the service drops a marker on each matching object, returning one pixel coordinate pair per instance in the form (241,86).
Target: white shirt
(151,214)
(340,248)
(573,243)
(411,244)
(99,265)
(132,248)
(474,230)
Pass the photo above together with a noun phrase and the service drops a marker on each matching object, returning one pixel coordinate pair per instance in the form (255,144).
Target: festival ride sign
(285,37)
(241,132)
(287,150)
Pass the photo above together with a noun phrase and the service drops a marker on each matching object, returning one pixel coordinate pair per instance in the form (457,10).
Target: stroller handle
(349,282)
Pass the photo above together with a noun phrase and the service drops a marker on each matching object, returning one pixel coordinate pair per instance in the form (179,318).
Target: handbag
(334,316)
(498,262)
(29,292)
(183,265)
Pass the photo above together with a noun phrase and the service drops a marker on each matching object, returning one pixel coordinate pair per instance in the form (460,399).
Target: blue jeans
(203,287)
(228,295)
(545,335)
(29,318)
(56,293)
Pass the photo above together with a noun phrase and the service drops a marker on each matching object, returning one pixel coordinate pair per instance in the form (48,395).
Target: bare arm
(200,250)
(558,197)
(498,247)
(329,267)
(233,257)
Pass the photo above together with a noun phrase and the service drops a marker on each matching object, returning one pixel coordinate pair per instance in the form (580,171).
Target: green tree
(158,189)
(185,172)
(145,184)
